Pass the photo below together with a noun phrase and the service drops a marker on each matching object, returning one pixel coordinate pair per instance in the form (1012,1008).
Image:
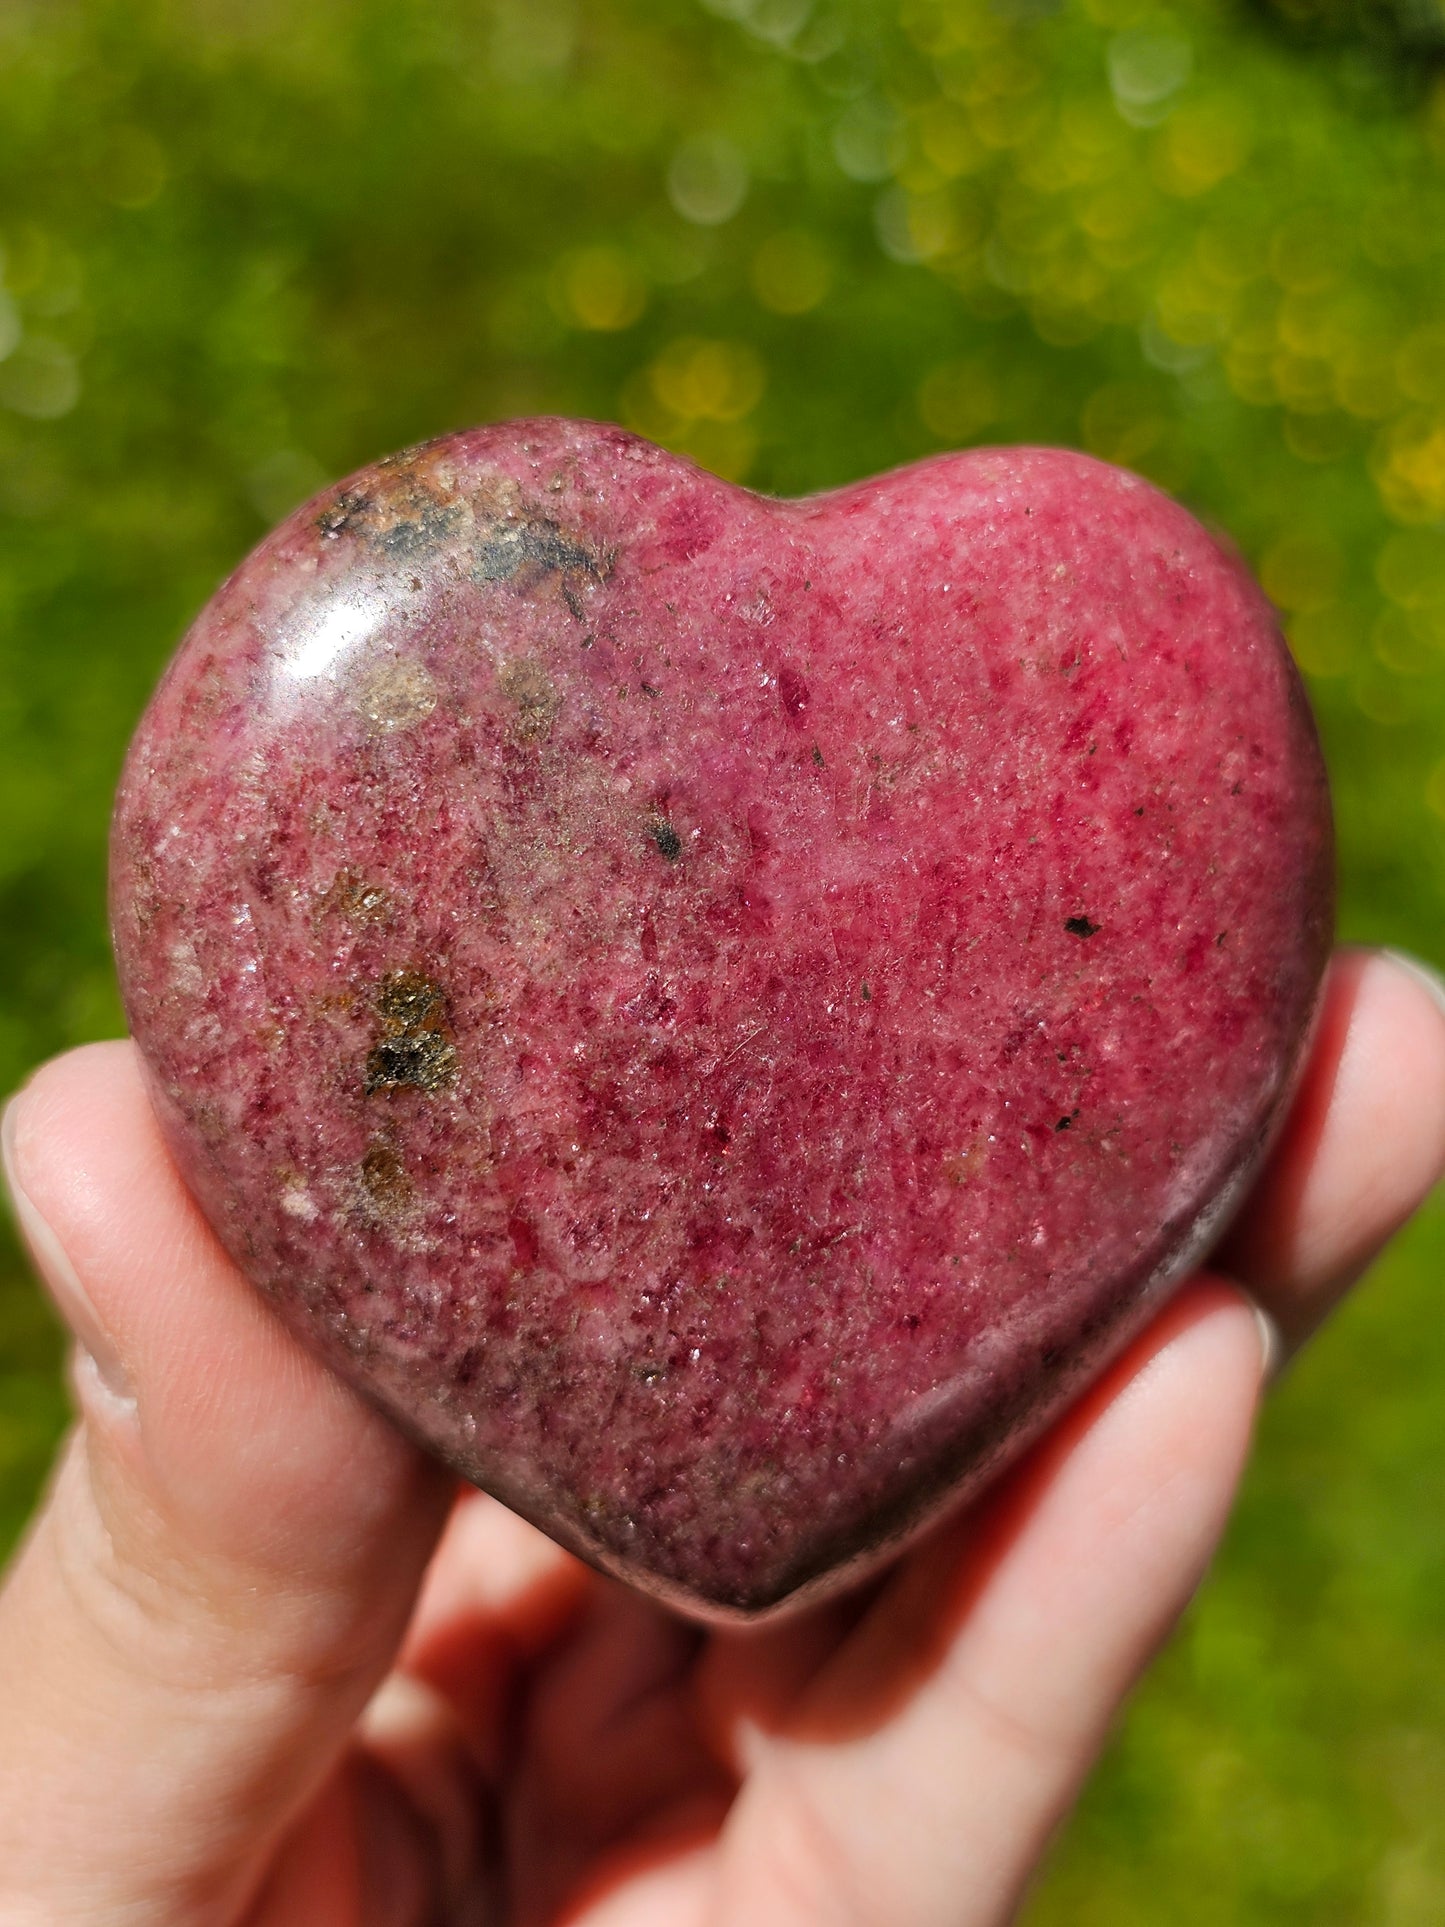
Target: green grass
(802,241)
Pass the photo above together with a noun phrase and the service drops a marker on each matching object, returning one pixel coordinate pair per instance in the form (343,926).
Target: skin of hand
(262,1666)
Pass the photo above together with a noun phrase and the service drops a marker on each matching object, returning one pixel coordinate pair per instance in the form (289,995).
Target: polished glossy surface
(720,1014)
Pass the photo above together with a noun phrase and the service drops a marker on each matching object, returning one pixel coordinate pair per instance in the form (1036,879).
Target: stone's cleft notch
(414,1048)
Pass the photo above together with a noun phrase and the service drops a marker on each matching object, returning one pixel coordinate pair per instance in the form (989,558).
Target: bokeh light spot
(1147,68)
(791,272)
(1308,251)
(134,169)
(718,381)
(40,379)
(1408,464)
(1420,364)
(1411,568)
(10,326)
(948,141)
(1201,145)
(1324,641)
(707,179)
(865,140)
(1318,438)
(601,288)
(1301,572)
(957,400)
(1122,422)
(1402,645)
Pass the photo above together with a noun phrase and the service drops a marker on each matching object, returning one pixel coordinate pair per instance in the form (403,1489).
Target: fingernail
(1428,978)
(1271,1345)
(58,1272)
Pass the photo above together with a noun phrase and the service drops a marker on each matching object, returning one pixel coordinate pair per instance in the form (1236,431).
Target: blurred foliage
(1413,27)
(248,245)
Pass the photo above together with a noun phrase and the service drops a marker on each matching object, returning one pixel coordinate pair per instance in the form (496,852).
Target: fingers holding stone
(498,1596)
(228,1555)
(920,1774)
(1362,1146)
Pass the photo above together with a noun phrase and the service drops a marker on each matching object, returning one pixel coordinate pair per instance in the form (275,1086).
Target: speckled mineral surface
(720,1014)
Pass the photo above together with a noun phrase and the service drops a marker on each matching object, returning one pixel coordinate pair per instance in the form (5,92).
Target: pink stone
(719,1014)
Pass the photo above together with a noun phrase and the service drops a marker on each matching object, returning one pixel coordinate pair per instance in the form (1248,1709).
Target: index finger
(1363,1145)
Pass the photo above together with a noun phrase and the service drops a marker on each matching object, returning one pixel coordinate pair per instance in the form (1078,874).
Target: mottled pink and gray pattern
(719,1014)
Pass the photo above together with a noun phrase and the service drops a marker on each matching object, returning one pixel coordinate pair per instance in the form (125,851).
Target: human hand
(236,1553)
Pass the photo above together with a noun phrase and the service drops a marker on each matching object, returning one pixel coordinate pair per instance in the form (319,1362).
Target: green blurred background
(248,245)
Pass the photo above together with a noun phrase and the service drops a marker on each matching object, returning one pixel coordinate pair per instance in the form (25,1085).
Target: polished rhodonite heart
(719,1014)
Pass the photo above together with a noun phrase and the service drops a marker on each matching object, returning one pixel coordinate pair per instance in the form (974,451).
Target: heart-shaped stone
(720,1014)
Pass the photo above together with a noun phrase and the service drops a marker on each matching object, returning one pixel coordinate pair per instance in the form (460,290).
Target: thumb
(225,1562)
